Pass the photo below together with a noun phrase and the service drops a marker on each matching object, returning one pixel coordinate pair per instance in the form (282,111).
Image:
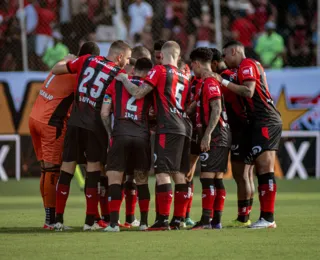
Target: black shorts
(195,144)
(129,154)
(263,138)
(172,154)
(241,144)
(215,160)
(82,145)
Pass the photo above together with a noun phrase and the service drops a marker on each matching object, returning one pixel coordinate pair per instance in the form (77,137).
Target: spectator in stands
(174,18)
(225,25)
(263,11)
(194,12)
(12,59)
(270,47)
(299,45)
(43,35)
(140,14)
(55,53)
(206,30)
(244,31)
(82,25)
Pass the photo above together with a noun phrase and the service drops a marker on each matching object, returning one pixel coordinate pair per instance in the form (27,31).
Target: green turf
(297,235)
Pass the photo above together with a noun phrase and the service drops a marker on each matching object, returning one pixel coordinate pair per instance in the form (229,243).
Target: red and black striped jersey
(235,106)
(210,90)
(94,75)
(130,114)
(195,84)
(260,107)
(171,94)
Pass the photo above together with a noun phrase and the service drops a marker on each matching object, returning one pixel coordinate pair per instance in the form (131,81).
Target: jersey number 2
(131,104)
(89,72)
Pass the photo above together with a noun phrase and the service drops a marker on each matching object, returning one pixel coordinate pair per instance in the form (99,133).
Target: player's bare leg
(208,199)
(189,178)
(218,205)
(241,172)
(267,189)
(62,192)
(115,179)
(252,186)
(141,178)
(104,204)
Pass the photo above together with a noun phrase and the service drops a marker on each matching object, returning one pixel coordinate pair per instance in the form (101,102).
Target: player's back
(261,108)
(211,90)
(54,100)
(171,94)
(130,114)
(94,73)
(234,103)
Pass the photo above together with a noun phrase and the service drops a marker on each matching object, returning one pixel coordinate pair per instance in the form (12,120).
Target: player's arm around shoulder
(62,66)
(134,90)
(246,89)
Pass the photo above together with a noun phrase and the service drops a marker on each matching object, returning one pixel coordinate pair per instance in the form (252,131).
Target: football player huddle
(103,111)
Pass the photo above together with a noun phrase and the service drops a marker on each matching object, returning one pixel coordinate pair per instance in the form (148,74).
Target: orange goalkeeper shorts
(47,141)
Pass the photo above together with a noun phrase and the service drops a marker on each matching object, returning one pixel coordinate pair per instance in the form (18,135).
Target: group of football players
(100,111)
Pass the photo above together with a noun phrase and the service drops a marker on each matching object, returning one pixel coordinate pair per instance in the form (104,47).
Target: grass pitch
(297,235)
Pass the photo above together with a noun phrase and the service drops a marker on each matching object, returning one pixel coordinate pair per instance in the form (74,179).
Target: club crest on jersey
(247,71)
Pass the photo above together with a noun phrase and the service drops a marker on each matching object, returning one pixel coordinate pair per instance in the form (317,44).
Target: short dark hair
(89,48)
(201,54)
(120,45)
(157,46)
(216,55)
(143,64)
(140,52)
(232,43)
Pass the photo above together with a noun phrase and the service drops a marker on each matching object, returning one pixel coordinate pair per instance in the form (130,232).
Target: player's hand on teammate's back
(121,77)
(205,143)
(217,77)
(209,74)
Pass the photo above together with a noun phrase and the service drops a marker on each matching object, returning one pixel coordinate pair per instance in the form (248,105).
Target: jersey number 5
(179,90)
(89,72)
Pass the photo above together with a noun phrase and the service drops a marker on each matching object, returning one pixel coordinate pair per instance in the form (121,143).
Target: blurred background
(282,35)
(55,27)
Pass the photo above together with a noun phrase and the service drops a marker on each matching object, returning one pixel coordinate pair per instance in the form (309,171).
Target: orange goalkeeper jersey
(53,103)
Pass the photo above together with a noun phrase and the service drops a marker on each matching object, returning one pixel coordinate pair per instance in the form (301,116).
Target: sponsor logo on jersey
(246,71)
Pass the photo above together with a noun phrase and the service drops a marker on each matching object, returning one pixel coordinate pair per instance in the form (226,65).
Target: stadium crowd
(54,26)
